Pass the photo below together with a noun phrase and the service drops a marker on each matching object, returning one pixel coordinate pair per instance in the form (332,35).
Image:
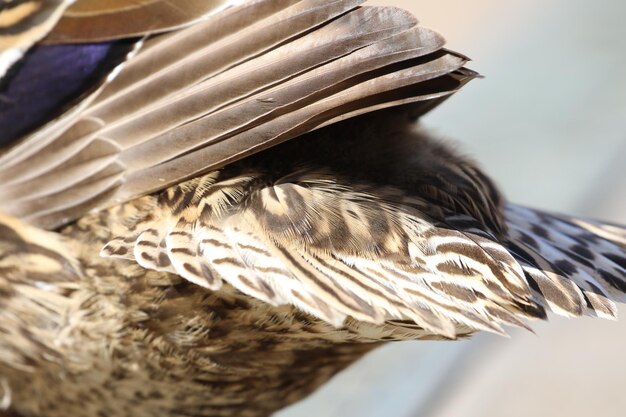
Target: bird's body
(113,340)
(134,342)
(180,275)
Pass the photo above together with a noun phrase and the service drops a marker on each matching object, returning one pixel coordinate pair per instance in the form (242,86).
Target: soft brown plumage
(242,282)
(181,105)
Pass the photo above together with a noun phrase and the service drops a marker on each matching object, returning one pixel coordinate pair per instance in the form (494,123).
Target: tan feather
(343,250)
(309,243)
(286,265)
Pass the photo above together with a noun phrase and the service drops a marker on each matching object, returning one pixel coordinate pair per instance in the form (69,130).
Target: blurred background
(549,124)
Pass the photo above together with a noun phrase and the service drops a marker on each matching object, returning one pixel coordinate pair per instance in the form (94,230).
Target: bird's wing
(103,20)
(577,266)
(331,250)
(337,249)
(23,23)
(195,99)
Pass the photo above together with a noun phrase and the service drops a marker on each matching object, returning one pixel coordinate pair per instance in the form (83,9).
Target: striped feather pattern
(439,252)
(282,266)
(313,242)
(578,266)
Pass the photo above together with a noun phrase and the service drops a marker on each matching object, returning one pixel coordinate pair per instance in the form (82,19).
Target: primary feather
(241,266)
(198,98)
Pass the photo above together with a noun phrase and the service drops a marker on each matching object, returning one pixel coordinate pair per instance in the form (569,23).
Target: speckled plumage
(244,281)
(108,337)
(113,340)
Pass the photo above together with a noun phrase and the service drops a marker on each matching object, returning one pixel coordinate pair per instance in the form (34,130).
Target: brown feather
(102,20)
(182,106)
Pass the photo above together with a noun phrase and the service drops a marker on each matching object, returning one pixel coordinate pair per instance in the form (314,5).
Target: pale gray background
(549,123)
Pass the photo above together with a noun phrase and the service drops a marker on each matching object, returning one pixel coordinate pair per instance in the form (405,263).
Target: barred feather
(337,247)
(334,253)
(576,270)
(162,145)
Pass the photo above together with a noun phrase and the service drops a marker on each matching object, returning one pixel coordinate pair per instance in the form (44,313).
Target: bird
(209,208)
